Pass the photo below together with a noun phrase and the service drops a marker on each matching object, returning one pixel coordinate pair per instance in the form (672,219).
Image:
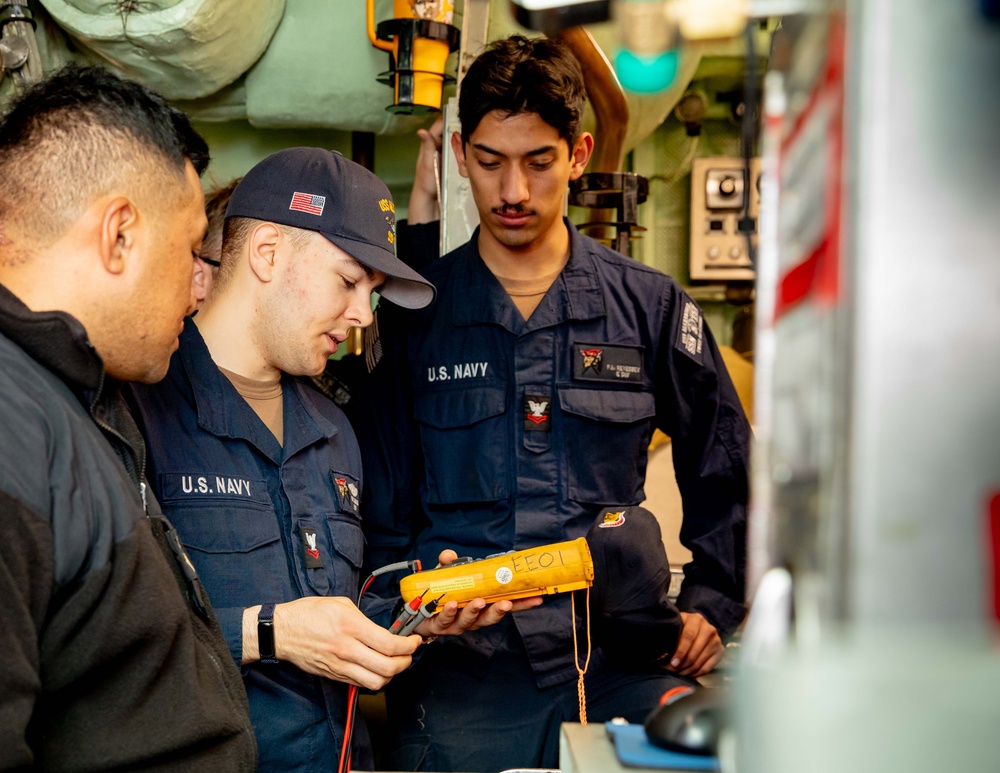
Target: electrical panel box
(719,221)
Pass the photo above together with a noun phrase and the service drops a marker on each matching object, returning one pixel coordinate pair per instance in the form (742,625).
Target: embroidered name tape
(457,371)
(604,362)
(208,485)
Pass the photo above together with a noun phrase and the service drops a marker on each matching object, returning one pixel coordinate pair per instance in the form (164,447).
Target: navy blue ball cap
(633,619)
(320,190)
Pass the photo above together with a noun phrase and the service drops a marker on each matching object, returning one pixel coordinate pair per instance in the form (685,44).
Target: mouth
(334,340)
(512,218)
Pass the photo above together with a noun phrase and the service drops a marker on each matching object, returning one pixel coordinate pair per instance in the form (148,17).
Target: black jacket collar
(59,342)
(55,339)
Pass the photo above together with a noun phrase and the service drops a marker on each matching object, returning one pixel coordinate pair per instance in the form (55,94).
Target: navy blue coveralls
(507,434)
(262,523)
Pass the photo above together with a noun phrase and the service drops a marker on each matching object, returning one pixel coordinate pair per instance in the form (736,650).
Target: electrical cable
(425,612)
(413,566)
(408,614)
(371,578)
(344,763)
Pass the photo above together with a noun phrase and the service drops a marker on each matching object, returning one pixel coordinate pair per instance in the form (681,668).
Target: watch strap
(265,633)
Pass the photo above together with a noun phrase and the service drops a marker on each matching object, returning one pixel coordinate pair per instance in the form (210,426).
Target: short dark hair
(236,231)
(66,138)
(216,202)
(519,75)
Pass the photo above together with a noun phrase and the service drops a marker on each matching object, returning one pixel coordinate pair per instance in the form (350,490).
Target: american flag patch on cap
(306,202)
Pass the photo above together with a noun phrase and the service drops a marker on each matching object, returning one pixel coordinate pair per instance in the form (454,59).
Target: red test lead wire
(409,612)
(344,763)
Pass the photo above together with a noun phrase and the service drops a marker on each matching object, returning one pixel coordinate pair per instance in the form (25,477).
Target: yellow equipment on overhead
(419,39)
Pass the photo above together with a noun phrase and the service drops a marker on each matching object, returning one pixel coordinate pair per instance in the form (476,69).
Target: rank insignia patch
(311,548)
(537,413)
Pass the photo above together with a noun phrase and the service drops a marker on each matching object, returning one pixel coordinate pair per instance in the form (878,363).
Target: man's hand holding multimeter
(517,578)
(446,618)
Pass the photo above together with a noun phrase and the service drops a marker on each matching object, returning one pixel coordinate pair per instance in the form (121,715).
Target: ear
(262,245)
(459,150)
(580,155)
(119,233)
(199,281)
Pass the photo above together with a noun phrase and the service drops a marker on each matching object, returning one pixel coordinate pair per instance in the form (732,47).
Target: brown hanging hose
(607,97)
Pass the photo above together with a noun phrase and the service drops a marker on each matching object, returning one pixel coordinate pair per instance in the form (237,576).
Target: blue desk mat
(633,749)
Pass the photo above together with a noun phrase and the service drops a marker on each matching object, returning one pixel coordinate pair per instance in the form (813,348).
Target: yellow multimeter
(555,568)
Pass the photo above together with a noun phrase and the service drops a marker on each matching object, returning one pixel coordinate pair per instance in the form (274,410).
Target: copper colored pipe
(611,110)
(607,98)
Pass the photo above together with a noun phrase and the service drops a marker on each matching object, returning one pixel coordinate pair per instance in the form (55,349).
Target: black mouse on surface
(690,722)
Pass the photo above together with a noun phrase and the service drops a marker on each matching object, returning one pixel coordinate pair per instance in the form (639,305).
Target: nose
(514,186)
(360,312)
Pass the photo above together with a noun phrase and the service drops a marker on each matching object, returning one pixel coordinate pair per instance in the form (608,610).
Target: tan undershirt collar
(265,399)
(528,293)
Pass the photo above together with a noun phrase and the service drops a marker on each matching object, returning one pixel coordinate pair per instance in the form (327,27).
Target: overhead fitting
(419,38)
(18,47)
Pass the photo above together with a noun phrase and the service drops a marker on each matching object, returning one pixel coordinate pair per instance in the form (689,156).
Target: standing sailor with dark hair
(521,402)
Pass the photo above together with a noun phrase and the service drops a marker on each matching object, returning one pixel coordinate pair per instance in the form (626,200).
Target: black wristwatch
(265,634)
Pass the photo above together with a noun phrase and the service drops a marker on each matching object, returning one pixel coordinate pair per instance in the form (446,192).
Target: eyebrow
(355,263)
(537,152)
